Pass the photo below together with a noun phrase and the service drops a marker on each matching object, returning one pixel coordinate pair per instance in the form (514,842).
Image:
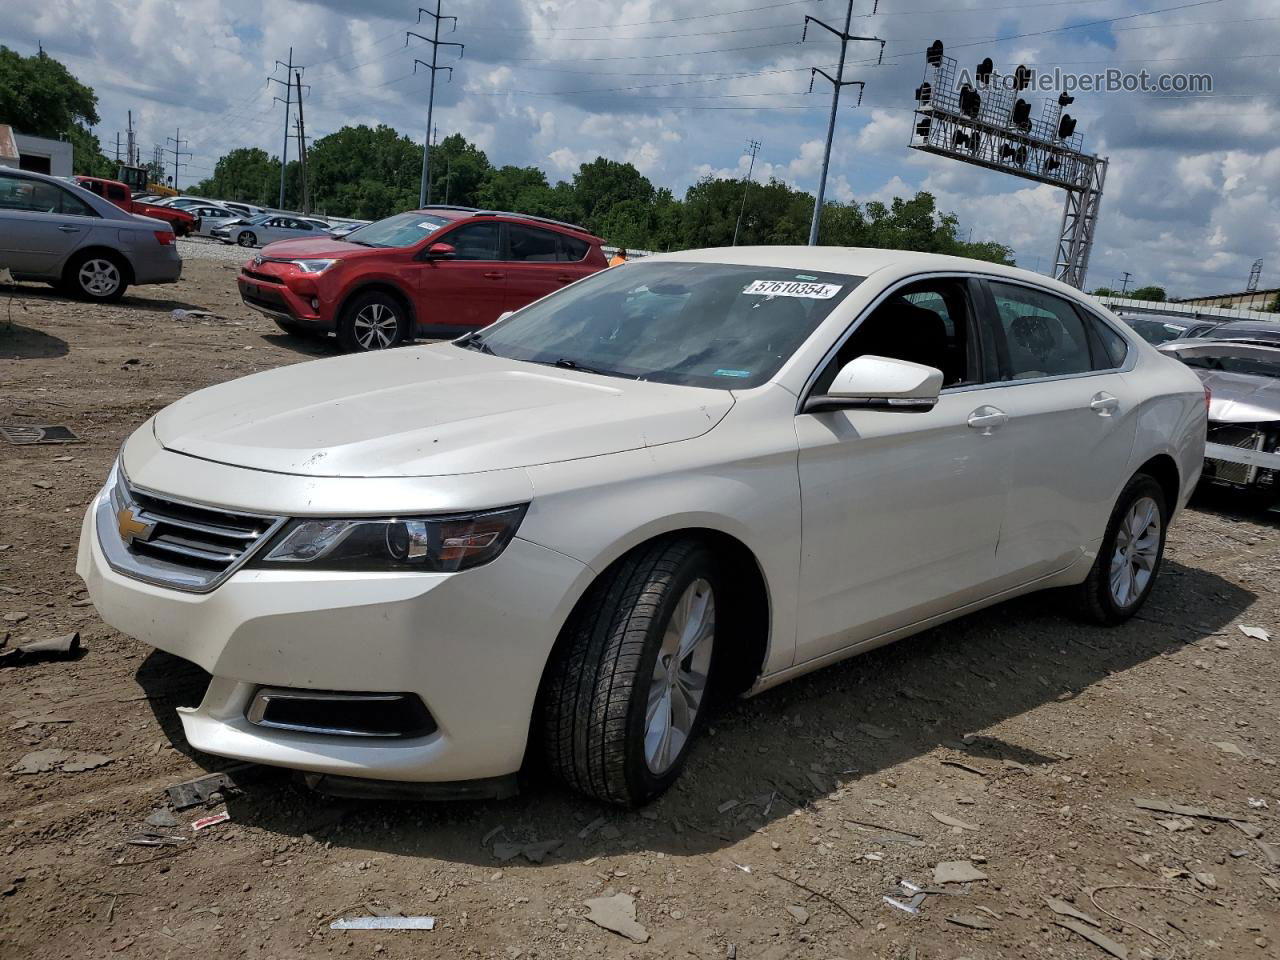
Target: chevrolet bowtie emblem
(131,528)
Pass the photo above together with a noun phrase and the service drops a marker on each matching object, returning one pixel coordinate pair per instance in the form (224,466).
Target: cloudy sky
(678,87)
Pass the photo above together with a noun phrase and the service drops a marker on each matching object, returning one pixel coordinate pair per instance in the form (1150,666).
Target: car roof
(864,261)
(1248,326)
(463,213)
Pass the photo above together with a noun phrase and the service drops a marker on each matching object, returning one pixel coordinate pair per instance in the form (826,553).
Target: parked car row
(78,240)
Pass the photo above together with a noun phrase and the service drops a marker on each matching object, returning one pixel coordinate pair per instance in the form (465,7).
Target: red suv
(439,272)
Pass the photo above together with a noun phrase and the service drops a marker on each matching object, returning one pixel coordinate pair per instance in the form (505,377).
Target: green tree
(458,169)
(1106,292)
(504,187)
(40,97)
(601,184)
(364,172)
(247,174)
(1275,304)
(1149,293)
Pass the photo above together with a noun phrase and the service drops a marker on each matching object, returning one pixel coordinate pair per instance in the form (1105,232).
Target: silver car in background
(211,216)
(267,228)
(63,234)
(1242,378)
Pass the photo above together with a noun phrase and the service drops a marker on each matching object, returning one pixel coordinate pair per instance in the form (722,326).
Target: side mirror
(440,251)
(880,383)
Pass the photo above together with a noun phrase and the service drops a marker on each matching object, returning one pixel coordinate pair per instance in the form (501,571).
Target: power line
(289,69)
(178,152)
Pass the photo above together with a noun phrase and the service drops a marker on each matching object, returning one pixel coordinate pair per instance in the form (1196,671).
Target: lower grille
(341,714)
(173,543)
(1246,437)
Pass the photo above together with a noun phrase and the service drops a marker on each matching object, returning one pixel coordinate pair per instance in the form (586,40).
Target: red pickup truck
(116,192)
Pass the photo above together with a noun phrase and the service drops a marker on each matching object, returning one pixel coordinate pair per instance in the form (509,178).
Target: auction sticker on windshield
(792,288)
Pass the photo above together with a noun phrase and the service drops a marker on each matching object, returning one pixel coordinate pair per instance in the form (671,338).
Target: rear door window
(475,241)
(572,249)
(1043,335)
(531,244)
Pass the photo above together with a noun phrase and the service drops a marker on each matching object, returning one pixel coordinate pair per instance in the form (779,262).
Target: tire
(1116,589)
(611,664)
(98,277)
(247,239)
(373,321)
(300,330)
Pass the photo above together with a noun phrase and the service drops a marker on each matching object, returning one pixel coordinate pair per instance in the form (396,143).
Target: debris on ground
(1254,633)
(877,733)
(154,840)
(950,821)
(617,914)
(55,648)
(970,921)
(210,821)
(1098,939)
(957,871)
(195,792)
(533,852)
(799,914)
(22,434)
(384,923)
(68,761)
(1180,810)
(1065,909)
(162,819)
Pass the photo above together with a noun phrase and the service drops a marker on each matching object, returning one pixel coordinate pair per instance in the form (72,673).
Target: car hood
(428,411)
(318,248)
(1241,398)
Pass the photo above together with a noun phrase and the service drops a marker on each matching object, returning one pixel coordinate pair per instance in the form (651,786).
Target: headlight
(434,544)
(313,266)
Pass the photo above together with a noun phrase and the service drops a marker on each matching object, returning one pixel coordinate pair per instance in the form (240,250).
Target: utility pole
(177,152)
(753,147)
(838,82)
(117,148)
(287,83)
(424,192)
(1124,285)
(302,149)
(131,152)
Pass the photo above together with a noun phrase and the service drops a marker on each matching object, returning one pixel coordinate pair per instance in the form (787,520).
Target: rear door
(535,264)
(468,290)
(41,224)
(1072,419)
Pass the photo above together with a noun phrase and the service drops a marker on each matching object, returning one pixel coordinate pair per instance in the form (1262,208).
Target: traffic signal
(924,92)
(983,73)
(1017,154)
(970,102)
(922,128)
(1021,78)
(1066,126)
(1064,99)
(934,54)
(1022,115)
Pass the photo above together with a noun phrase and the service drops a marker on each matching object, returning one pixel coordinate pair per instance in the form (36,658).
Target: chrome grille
(1246,437)
(175,543)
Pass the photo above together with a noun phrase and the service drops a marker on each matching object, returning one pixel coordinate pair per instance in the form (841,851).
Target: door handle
(1103,404)
(987,418)
(494,275)
(69,229)
(564,278)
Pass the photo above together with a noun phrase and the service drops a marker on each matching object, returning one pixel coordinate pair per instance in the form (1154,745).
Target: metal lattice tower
(424,192)
(988,124)
(1255,276)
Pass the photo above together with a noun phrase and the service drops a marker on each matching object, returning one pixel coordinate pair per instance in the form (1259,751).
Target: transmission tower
(753,147)
(838,83)
(1255,275)
(290,68)
(302,149)
(424,192)
(178,152)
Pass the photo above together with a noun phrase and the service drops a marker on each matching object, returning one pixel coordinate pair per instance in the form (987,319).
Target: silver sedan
(267,228)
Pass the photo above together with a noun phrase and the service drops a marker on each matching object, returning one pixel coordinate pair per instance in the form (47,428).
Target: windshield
(1246,365)
(260,218)
(1156,331)
(695,324)
(401,230)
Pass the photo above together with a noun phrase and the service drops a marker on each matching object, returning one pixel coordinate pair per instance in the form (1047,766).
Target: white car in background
(704,472)
(211,217)
(267,228)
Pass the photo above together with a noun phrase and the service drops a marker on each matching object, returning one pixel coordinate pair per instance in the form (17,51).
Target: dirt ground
(1015,739)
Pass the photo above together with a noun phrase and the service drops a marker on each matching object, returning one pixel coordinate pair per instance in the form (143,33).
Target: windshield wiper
(473,341)
(564,363)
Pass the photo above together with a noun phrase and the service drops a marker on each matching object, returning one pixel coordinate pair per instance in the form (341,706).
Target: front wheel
(626,691)
(247,239)
(1129,557)
(373,321)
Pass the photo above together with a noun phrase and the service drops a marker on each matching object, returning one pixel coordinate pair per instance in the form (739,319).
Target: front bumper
(272,296)
(472,645)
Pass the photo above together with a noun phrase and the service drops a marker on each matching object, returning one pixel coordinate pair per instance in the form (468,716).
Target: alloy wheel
(247,240)
(1137,548)
(99,277)
(376,327)
(679,677)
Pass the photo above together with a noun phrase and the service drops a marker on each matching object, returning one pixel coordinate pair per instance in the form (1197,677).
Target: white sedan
(701,473)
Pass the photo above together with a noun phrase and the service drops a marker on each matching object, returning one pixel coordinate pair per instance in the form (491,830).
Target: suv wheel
(373,321)
(247,239)
(96,276)
(1129,557)
(626,692)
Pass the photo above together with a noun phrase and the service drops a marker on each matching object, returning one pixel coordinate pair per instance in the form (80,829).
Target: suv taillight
(165,237)
(1208,397)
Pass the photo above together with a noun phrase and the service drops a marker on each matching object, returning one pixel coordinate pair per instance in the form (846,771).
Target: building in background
(38,154)
(1248,300)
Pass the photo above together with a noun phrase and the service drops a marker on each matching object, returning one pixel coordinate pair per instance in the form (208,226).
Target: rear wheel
(373,321)
(627,690)
(96,276)
(247,239)
(1129,557)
